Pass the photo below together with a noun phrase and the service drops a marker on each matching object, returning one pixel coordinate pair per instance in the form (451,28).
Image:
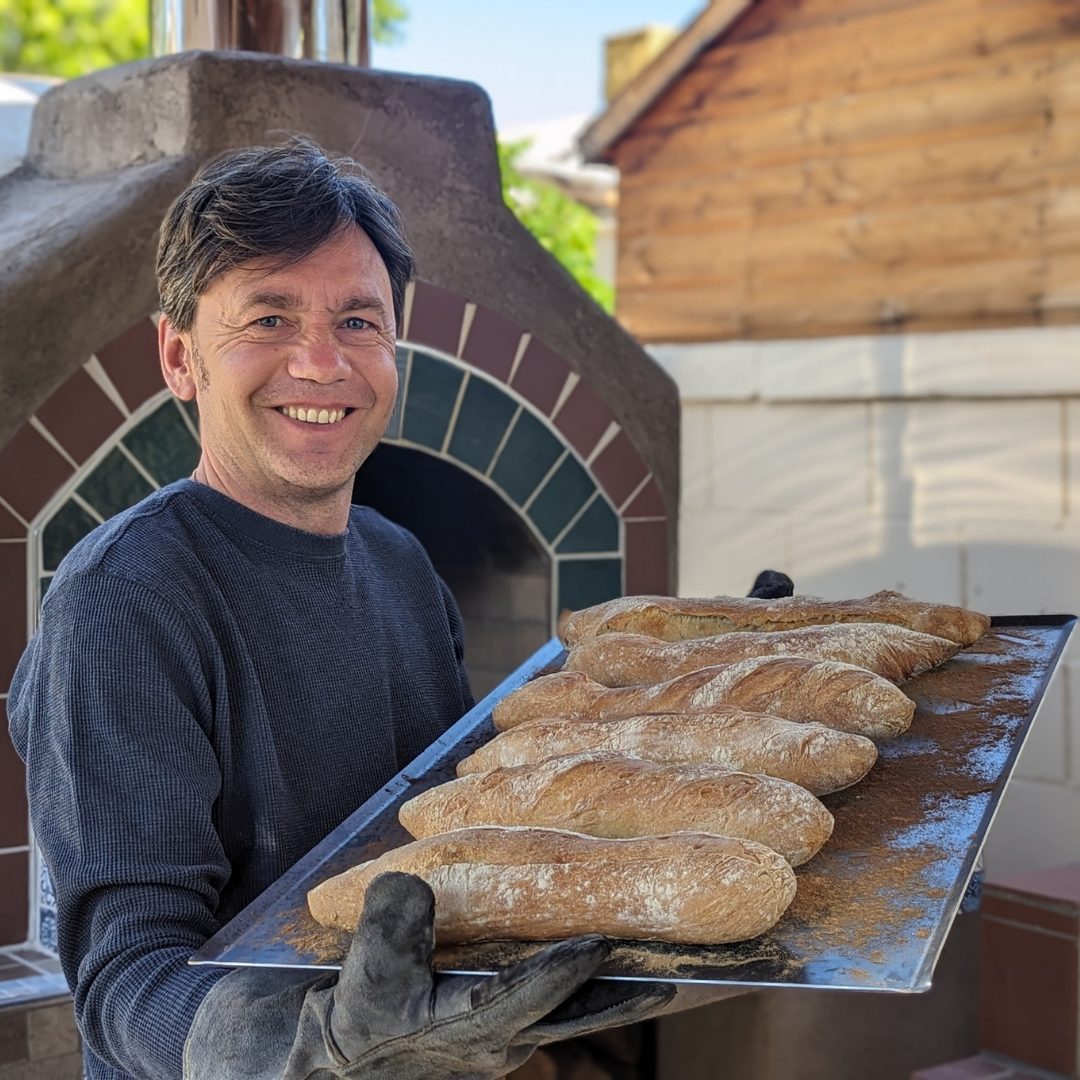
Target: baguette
(893,652)
(536,884)
(814,757)
(675,619)
(839,696)
(616,797)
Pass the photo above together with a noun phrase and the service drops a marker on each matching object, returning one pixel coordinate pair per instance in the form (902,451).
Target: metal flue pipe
(329,30)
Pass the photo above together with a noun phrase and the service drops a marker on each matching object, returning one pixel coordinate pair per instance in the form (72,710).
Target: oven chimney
(335,31)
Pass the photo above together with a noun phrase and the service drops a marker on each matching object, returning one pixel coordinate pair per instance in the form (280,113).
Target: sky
(537,61)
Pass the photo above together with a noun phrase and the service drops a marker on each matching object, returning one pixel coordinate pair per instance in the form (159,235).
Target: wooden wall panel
(846,166)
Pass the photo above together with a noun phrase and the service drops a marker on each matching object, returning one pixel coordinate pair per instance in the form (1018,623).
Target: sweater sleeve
(109,709)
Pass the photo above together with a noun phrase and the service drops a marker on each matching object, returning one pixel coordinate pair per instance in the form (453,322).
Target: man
(227,670)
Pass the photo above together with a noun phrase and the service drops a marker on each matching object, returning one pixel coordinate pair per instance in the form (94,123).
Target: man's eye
(269,321)
(356,323)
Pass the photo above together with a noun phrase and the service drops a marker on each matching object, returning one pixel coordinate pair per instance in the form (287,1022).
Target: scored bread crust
(672,618)
(814,757)
(616,797)
(893,652)
(535,884)
(793,688)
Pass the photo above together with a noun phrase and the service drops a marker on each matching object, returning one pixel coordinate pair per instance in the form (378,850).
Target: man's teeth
(313,416)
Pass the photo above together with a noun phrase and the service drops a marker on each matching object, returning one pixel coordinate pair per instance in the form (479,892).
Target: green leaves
(562,225)
(68,38)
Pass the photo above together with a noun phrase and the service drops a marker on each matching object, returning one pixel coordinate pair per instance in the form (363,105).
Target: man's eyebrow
(272,300)
(365,303)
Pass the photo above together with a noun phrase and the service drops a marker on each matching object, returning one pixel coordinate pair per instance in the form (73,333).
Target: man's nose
(319,359)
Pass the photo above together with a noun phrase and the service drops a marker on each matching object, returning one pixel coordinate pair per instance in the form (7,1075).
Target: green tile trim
(596,530)
(401,360)
(162,443)
(114,485)
(433,389)
(565,493)
(65,529)
(584,582)
(526,459)
(192,409)
(484,416)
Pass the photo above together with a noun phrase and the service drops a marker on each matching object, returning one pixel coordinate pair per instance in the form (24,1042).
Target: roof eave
(653,80)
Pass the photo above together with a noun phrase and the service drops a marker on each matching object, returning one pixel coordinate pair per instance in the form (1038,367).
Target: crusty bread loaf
(676,619)
(814,757)
(837,695)
(893,652)
(535,884)
(609,795)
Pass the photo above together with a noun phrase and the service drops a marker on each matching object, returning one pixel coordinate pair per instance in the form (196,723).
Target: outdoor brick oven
(534,448)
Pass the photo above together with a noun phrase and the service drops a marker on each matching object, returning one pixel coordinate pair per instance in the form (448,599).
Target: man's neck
(325,515)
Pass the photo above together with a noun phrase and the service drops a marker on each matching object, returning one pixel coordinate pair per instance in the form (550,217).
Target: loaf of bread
(535,884)
(837,695)
(616,797)
(675,619)
(814,757)
(893,652)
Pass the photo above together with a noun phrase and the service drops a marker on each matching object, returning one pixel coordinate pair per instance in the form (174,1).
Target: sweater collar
(245,524)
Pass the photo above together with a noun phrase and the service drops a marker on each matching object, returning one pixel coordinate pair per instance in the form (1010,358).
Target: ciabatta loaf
(537,884)
(814,757)
(676,619)
(609,795)
(839,696)
(892,652)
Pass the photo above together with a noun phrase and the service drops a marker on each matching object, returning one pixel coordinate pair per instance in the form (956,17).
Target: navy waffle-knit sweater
(209,693)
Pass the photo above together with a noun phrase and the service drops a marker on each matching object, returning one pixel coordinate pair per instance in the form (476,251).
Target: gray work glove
(387,1016)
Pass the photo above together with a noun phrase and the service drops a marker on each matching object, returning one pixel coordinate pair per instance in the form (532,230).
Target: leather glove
(771,585)
(387,1016)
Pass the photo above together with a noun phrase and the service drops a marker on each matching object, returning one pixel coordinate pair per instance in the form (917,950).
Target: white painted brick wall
(943,465)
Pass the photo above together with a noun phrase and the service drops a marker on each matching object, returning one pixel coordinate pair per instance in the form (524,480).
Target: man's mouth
(313,416)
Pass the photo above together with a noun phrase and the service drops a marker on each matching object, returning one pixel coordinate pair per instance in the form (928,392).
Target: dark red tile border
(492,343)
(1028,996)
(14,897)
(12,610)
(1058,884)
(80,416)
(1032,914)
(583,418)
(647,503)
(646,558)
(619,468)
(30,471)
(14,827)
(435,318)
(11,528)
(131,361)
(540,376)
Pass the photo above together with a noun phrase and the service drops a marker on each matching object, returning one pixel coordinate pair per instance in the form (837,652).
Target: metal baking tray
(873,908)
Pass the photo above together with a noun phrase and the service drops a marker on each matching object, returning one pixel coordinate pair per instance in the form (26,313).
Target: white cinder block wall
(946,466)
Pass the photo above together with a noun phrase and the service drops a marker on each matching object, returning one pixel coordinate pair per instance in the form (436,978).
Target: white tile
(1035,828)
(1045,755)
(696,478)
(711,371)
(1072,458)
(721,552)
(895,562)
(802,459)
(857,367)
(985,471)
(1039,577)
(993,363)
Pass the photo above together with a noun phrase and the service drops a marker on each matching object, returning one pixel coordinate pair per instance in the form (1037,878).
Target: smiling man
(224,672)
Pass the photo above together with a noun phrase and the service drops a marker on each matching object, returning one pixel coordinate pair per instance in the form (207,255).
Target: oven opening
(497,570)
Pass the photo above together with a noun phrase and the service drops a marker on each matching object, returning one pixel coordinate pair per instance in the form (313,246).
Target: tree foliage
(563,226)
(68,38)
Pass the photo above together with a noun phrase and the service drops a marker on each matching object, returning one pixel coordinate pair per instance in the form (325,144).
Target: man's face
(294,369)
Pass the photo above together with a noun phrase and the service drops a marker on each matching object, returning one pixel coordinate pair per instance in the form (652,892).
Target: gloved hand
(386,1016)
(771,585)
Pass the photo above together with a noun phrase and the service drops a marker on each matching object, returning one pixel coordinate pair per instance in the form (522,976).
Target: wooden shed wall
(848,166)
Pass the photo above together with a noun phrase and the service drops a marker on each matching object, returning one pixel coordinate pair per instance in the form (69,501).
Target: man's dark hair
(270,202)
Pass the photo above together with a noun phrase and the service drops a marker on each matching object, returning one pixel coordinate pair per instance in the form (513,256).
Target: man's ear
(177,363)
